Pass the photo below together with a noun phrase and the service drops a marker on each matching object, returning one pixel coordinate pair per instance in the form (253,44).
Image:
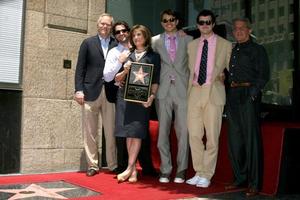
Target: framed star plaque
(138,82)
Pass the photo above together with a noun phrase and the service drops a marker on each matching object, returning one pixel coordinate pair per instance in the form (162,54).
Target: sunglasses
(168,20)
(202,22)
(121,31)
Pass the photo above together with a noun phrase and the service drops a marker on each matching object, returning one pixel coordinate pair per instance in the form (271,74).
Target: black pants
(244,137)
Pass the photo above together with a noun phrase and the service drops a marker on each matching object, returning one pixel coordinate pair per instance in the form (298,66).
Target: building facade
(49,135)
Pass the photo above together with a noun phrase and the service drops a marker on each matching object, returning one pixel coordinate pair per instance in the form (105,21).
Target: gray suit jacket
(179,68)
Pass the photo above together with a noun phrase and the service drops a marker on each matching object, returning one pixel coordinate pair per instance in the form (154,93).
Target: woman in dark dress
(136,117)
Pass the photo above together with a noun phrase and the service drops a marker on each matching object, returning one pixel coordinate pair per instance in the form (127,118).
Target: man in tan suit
(208,56)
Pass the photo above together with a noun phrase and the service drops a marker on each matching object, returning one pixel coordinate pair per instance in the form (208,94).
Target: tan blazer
(215,93)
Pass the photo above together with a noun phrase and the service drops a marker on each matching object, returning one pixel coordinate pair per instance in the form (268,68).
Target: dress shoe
(194,180)
(236,185)
(91,172)
(231,187)
(251,192)
(117,171)
(150,172)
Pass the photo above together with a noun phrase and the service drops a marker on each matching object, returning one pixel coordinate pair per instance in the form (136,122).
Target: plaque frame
(138,82)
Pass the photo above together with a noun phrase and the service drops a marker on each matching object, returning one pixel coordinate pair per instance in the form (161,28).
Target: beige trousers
(203,118)
(96,114)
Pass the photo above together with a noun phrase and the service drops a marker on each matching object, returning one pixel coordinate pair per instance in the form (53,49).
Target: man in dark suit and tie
(94,99)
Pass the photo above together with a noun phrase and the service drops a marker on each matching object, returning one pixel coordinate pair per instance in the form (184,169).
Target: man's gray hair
(103,15)
(242,19)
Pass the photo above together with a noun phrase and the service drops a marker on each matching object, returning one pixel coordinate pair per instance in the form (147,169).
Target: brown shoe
(91,172)
(231,187)
(251,192)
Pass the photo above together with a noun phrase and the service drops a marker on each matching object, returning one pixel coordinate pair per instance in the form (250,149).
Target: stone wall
(51,119)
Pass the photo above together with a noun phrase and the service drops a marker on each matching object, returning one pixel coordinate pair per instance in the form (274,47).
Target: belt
(234,84)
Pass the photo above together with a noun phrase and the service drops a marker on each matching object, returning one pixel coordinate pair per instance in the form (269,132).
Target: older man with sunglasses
(208,56)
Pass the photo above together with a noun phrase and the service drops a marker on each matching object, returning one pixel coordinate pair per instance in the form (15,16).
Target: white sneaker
(178,180)
(203,183)
(164,179)
(194,181)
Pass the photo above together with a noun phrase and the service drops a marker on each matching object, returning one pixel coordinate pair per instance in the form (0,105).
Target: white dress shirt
(112,63)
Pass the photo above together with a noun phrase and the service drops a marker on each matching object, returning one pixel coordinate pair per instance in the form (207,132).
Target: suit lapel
(98,45)
(132,57)
(163,47)
(217,52)
(112,43)
(194,56)
(179,49)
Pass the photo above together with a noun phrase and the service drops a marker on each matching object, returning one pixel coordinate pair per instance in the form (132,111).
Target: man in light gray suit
(172,95)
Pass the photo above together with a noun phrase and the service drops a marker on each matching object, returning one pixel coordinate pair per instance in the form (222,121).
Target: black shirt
(249,63)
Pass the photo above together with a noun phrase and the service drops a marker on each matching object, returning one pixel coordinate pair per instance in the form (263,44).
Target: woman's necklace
(139,54)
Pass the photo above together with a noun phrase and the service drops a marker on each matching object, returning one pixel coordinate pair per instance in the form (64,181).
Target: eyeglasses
(168,20)
(121,31)
(202,22)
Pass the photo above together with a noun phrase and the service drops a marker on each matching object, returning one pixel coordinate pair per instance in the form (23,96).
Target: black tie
(203,64)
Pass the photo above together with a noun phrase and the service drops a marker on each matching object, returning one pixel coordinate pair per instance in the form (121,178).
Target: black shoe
(118,170)
(151,172)
(251,192)
(91,172)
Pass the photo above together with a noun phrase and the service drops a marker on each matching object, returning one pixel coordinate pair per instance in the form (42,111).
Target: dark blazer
(89,69)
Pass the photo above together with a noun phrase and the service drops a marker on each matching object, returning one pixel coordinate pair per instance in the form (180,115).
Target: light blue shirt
(104,45)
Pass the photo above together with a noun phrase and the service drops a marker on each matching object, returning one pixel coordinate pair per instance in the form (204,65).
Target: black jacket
(89,69)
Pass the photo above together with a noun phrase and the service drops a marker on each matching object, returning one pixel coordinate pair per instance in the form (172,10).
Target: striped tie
(203,64)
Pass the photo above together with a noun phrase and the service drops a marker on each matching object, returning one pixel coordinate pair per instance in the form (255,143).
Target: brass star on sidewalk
(36,190)
(140,75)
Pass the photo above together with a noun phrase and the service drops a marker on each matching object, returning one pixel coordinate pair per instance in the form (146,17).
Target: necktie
(172,48)
(203,64)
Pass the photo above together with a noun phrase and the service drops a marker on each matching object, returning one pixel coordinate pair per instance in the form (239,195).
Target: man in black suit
(94,99)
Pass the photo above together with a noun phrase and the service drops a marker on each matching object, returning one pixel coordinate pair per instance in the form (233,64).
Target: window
(291,9)
(271,13)
(281,28)
(281,11)
(271,30)
(261,32)
(11,17)
(234,7)
(261,16)
(291,27)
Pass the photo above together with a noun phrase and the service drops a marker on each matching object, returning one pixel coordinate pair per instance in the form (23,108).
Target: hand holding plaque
(138,82)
